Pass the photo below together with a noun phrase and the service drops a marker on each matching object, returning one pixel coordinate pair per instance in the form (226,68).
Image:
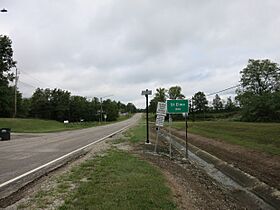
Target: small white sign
(161,108)
(66,121)
(105,116)
(160,120)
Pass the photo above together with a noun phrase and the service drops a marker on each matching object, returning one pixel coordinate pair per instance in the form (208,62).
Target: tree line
(55,104)
(257,96)
(59,105)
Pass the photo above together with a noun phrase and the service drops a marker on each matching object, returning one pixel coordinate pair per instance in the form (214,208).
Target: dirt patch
(194,189)
(259,164)
(191,186)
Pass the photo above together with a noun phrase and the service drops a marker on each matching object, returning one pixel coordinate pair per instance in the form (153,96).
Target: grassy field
(40,126)
(260,136)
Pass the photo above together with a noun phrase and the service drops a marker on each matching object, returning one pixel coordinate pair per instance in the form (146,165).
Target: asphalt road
(22,154)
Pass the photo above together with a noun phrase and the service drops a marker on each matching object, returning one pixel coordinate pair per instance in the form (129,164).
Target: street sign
(146,92)
(161,108)
(160,120)
(177,106)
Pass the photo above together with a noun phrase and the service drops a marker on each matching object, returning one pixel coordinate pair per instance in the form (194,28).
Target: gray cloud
(95,48)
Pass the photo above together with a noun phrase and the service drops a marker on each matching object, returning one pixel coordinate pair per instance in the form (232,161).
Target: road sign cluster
(180,106)
(161,113)
(171,106)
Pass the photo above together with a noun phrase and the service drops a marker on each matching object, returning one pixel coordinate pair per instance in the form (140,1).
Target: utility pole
(101,109)
(16,80)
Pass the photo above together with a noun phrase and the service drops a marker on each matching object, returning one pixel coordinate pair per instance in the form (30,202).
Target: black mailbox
(5,133)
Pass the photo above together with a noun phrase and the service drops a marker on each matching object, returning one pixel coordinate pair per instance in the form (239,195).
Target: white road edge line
(62,157)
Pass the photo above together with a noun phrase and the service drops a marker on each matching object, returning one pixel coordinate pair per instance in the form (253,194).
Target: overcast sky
(120,47)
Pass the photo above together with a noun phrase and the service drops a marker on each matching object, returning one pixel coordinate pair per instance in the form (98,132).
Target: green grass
(32,125)
(114,180)
(40,126)
(118,180)
(137,133)
(259,136)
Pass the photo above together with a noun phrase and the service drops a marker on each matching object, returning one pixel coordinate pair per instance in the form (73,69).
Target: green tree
(40,104)
(94,106)
(160,96)
(6,61)
(258,94)
(175,92)
(60,101)
(131,108)
(6,64)
(260,76)
(217,103)
(199,102)
(24,107)
(153,105)
(78,109)
(230,105)
(111,109)
(122,107)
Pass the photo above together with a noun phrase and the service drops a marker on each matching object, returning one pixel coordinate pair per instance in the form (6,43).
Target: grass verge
(116,180)
(19,125)
(259,136)
(137,133)
(119,181)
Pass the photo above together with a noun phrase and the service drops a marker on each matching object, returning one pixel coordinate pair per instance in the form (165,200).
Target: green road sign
(177,106)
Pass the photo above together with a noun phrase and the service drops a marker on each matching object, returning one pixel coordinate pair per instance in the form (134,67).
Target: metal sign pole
(170,153)
(146,93)
(147,120)
(186,119)
(156,139)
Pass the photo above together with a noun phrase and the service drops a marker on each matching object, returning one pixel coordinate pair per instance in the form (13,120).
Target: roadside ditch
(242,184)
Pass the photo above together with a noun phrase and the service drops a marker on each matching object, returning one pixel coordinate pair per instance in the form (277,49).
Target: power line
(220,91)
(41,82)
(32,77)
(26,84)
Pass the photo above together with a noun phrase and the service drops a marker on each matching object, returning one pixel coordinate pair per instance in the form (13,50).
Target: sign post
(170,139)
(161,113)
(178,106)
(147,93)
(186,120)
